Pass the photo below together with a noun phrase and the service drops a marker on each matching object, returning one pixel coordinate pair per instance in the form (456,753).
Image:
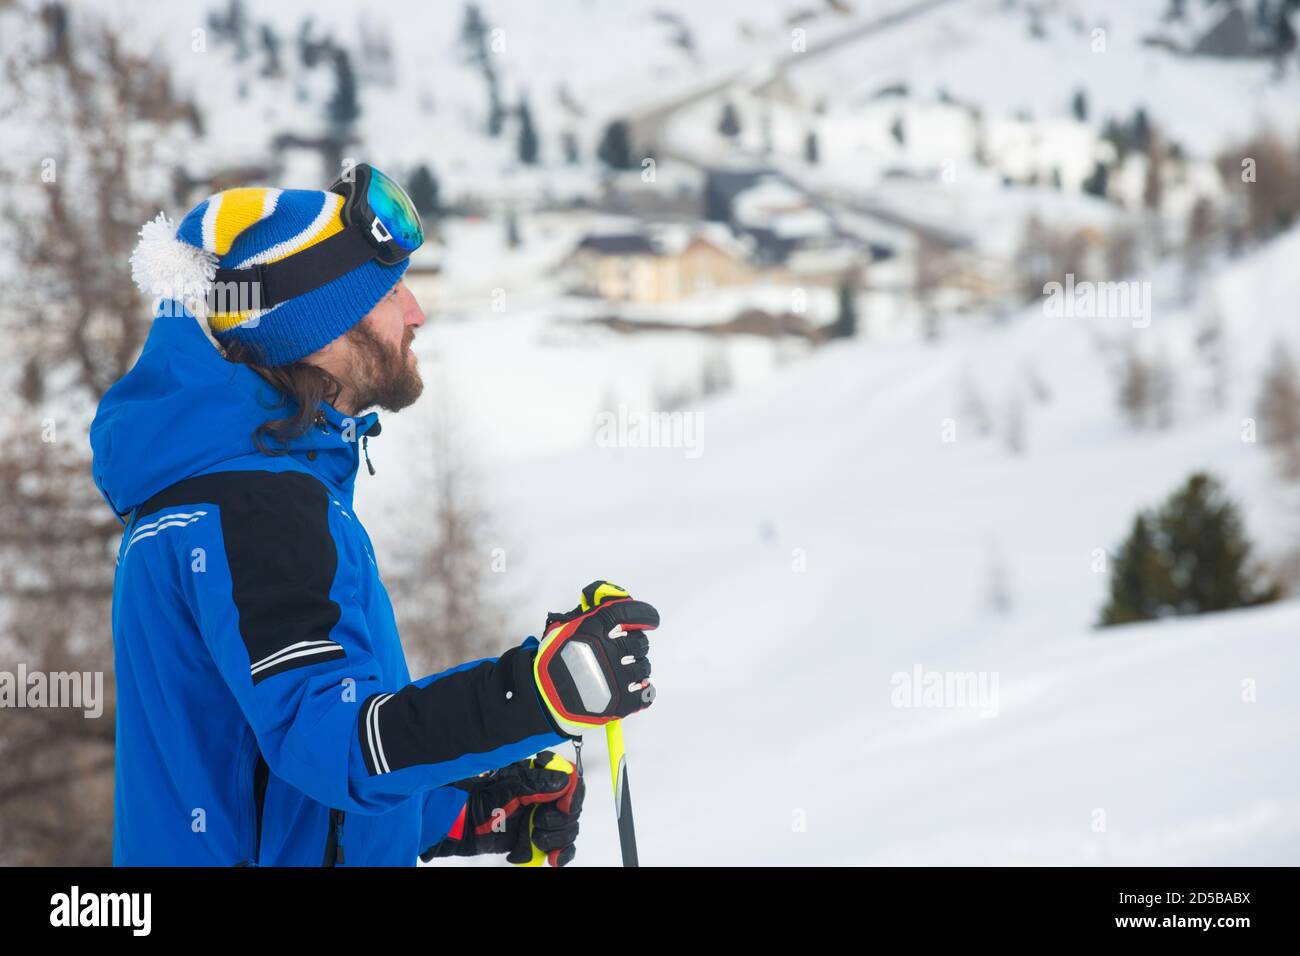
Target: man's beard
(381,377)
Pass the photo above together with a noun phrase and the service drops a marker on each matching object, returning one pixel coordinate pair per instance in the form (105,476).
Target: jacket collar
(332,447)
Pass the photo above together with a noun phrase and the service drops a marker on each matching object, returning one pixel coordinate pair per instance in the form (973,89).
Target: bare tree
(1049,254)
(997,583)
(1267,172)
(1146,390)
(931,270)
(1212,344)
(1038,387)
(442,589)
(1201,227)
(1014,424)
(1153,189)
(1122,250)
(73,322)
(716,375)
(972,406)
(1278,409)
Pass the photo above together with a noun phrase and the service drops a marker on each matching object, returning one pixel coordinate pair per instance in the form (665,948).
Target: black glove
(528,810)
(592,665)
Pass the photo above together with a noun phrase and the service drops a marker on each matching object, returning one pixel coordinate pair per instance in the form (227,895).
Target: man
(265,714)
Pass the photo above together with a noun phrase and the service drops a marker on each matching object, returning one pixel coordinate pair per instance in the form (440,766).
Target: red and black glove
(527,810)
(592,665)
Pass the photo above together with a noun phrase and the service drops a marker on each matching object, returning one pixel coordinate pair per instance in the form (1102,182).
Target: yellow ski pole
(622,796)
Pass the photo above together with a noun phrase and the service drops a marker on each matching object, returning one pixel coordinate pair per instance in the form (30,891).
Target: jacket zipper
(334,840)
(258,780)
(261,774)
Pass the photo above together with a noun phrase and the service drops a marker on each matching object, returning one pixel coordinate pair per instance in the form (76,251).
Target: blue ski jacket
(265,713)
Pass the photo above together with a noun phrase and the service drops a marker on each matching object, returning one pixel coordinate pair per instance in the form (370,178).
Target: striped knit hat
(239,228)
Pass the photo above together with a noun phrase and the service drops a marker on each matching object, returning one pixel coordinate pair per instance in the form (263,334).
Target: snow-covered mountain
(846,70)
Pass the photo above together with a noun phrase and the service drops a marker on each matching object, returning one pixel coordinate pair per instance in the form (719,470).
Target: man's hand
(528,810)
(592,665)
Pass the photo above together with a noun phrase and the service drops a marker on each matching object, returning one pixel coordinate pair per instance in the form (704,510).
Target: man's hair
(305,384)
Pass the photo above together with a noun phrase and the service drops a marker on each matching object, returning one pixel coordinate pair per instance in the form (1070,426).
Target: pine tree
(1207,552)
(1139,581)
(1079,106)
(729,122)
(811,153)
(1098,184)
(1191,557)
(496,109)
(1284,35)
(310,49)
(1141,130)
(473,34)
(570,147)
(899,131)
(1113,132)
(423,190)
(615,149)
(513,239)
(344,108)
(271,48)
(845,325)
(527,135)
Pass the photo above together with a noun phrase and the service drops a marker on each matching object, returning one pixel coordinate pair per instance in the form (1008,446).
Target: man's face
(381,368)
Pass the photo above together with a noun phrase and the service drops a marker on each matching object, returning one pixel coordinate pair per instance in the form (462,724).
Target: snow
(773,739)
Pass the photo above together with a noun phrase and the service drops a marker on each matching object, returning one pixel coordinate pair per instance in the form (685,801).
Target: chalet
(657,264)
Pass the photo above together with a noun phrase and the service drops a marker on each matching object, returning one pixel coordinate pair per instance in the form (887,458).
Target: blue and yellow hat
(249,227)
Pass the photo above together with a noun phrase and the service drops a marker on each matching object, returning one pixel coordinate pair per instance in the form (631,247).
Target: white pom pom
(167,267)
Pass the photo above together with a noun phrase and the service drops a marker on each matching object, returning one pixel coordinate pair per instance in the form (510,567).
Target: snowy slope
(775,683)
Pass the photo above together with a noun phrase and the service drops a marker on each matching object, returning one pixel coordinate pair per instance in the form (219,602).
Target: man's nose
(412,314)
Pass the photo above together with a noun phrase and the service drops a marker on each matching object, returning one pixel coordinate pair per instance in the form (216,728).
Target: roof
(665,239)
(621,244)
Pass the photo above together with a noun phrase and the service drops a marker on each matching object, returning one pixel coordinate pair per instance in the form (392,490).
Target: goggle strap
(298,274)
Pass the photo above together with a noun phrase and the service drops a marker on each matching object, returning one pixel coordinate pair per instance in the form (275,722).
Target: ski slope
(774,739)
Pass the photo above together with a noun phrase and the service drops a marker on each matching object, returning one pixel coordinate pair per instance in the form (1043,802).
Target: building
(653,264)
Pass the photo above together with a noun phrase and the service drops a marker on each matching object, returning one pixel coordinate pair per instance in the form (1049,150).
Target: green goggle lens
(393,208)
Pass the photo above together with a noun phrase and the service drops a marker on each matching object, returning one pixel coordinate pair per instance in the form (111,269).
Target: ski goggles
(380,223)
(382,211)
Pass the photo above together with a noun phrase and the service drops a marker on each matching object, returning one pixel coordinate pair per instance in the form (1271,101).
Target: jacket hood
(183,410)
